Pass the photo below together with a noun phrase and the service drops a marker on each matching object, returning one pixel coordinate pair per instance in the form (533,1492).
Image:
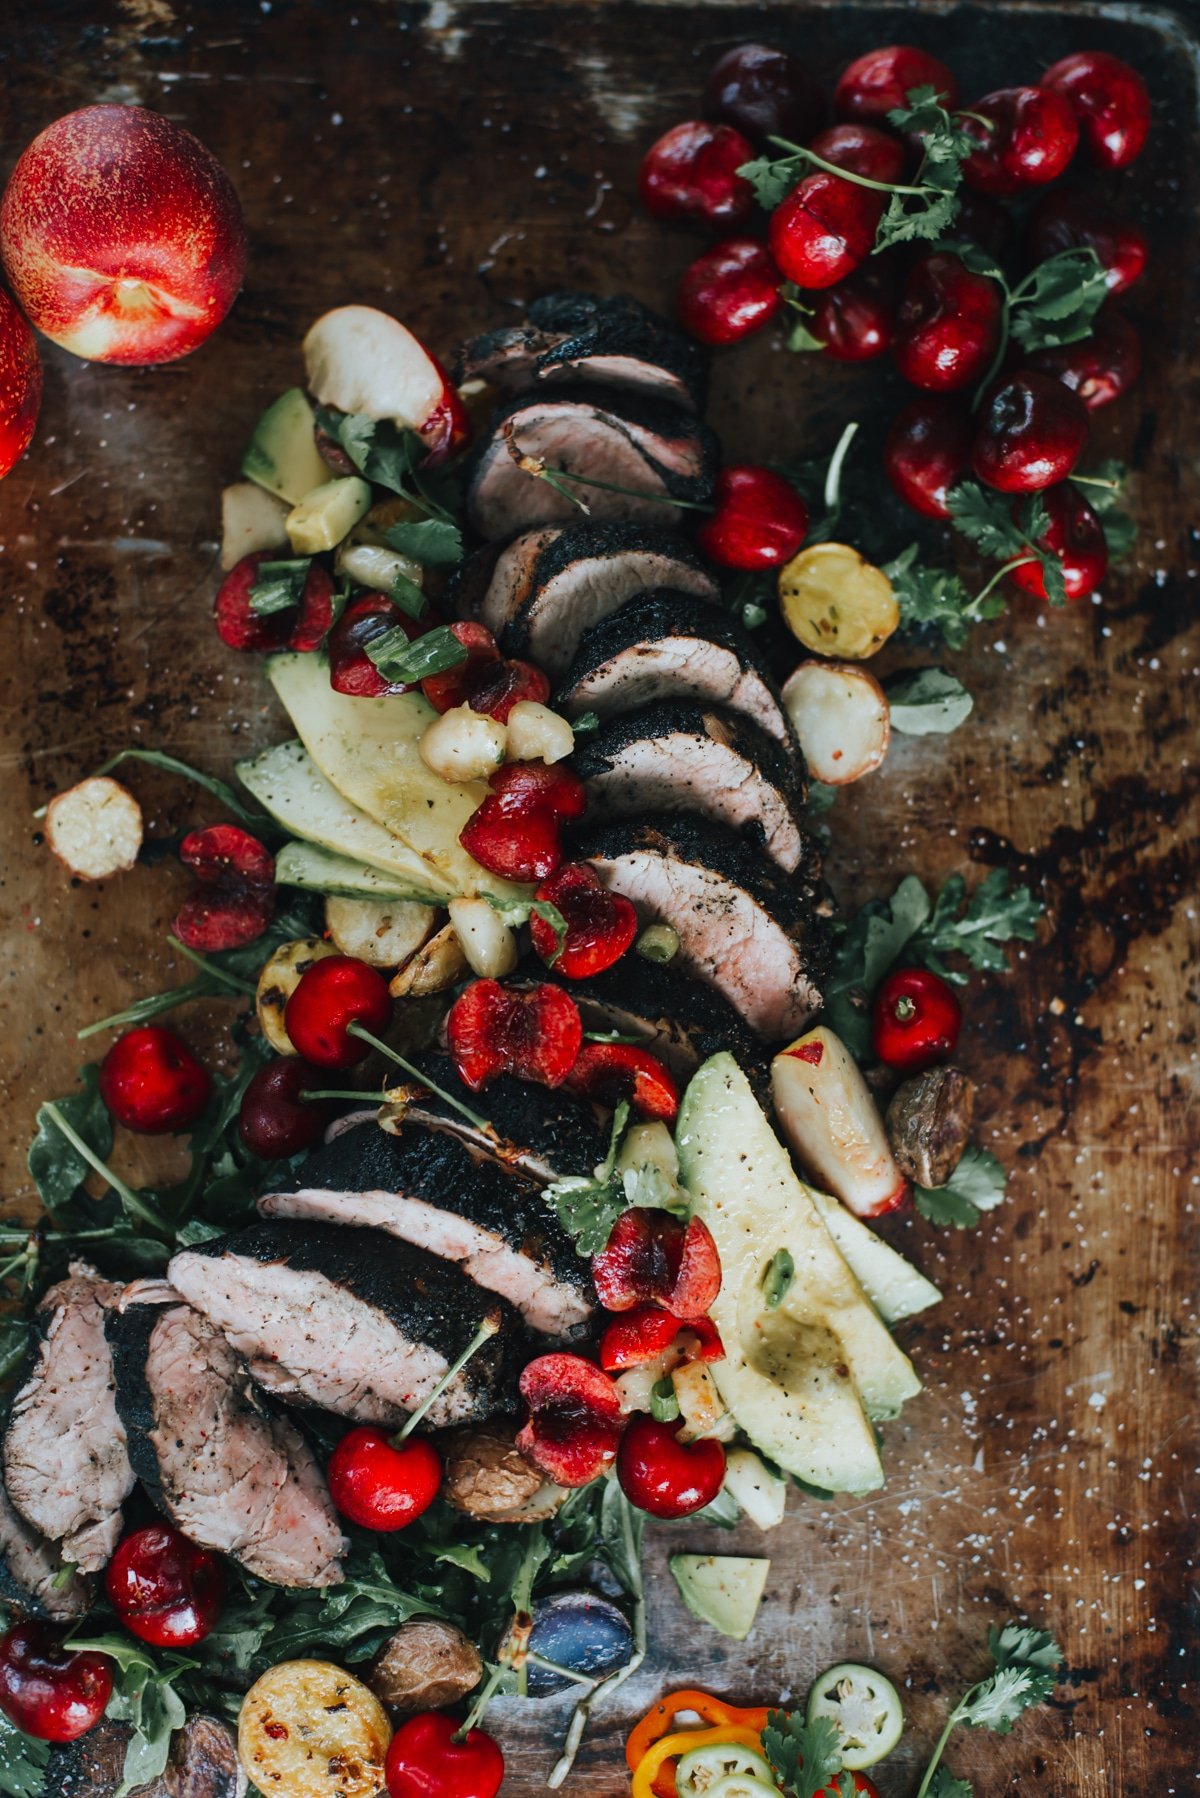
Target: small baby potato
(841,717)
(278,981)
(308,1729)
(485,1475)
(425,1666)
(837,603)
(95,828)
(381,932)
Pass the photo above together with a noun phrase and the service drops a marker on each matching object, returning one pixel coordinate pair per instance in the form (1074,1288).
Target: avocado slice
(724,1590)
(801,1377)
(319,870)
(282,454)
(324,516)
(894,1286)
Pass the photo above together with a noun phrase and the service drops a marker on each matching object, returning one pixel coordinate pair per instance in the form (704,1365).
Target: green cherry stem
(132,1201)
(484,1333)
(472,1117)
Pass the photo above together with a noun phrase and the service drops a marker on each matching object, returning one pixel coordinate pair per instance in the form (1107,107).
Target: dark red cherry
(948,326)
(881,80)
(729,292)
(1075,536)
(692,172)
(664,1476)
(856,320)
(152,1083)
(1071,221)
(1029,139)
(331,995)
(763,92)
(165,1589)
(382,1483)
(1110,101)
(275,1120)
(928,452)
(1030,433)
(823,229)
(46,1689)
(863,149)
(1099,368)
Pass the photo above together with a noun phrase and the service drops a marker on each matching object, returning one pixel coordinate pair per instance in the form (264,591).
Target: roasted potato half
(95,828)
(278,981)
(308,1729)
(381,932)
(837,603)
(437,965)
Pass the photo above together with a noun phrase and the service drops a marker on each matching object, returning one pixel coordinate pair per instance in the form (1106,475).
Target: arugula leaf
(1057,301)
(584,725)
(927,701)
(279,585)
(997,913)
(805,1756)
(820,797)
(156,1711)
(406,661)
(938,598)
(15,1337)
(622,1530)
(588,1207)
(976,1185)
(869,945)
(220,789)
(1120,531)
(57,1167)
(434,542)
(22,1762)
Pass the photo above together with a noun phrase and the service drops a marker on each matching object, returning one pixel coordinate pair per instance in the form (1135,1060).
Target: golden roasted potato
(308,1729)
(278,981)
(425,1666)
(837,603)
(381,932)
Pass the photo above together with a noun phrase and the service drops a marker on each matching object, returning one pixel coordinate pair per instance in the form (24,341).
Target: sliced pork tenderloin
(232,1474)
(542,1132)
(351,1321)
(652,450)
(677,755)
(33,1574)
(755,934)
(66,1462)
(539,593)
(433,1190)
(609,341)
(672,644)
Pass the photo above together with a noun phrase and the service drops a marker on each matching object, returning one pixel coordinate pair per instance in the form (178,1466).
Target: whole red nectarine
(20,384)
(122,236)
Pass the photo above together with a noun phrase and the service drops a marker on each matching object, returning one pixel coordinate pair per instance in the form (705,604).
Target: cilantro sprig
(976,1185)
(939,599)
(806,1756)
(987,521)
(1025,1666)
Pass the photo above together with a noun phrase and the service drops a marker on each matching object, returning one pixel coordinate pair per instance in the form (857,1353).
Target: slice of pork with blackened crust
(352,1321)
(679,756)
(434,1190)
(66,1467)
(544,1133)
(540,592)
(609,341)
(203,1764)
(673,645)
(33,1574)
(654,451)
(754,933)
(232,1474)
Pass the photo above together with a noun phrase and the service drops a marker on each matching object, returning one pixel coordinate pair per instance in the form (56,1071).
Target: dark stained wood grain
(447,161)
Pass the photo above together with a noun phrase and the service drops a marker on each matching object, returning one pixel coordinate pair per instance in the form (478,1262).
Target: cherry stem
(1005,568)
(472,1117)
(796,151)
(337,1093)
(833,477)
(486,1330)
(223,978)
(131,1200)
(534,465)
(580,1679)
(482,1700)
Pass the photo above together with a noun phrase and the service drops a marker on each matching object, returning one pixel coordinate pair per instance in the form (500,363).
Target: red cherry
(983,221)
(948,326)
(1110,101)
(152,1083)
(381,1483)
(1076,538)
(601,925)
(1070,221)
(652,1257)
(856,320)
(425,1761)
(275,1121)
(502,685)
(535,1034)
(233,900)
(612,1073)
(928,452)
(759,520)
(351,669)
(1030,137)
(332,994)
(881,81)
(516,833)
(312,618)
(863,149)
(692,172)
(822,230)
(575,1419)
(664,1476)
(764,93)
(165,1589)
(299,627)
(48,1691)
(729,292)
(1099,368)
(641,1335)
(1030,433)
(915,1020)
(456,685)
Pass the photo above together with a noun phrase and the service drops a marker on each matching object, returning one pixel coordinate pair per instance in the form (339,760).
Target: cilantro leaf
(22,1762)
(1120,532)
(589,1206)
(976,1185)
(406,660)
(985,520)
(57,1167)
(805,1756)
(1016,1645)
(945,1785)
(930,212)
(434,542)
(937,598)
(997,1702)
(1057,301)
(997,913)
(1026,1663)
(927,702)
(772,178)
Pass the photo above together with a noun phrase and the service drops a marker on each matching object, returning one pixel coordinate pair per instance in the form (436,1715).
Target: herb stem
(472,1117)
(170,764)
(583,1710)
(150,1007)
(833,475)
(482,1700)
(940,1746)
(486,1330)
(341,1093)
(797,153)
(1005,568)
(533,465)
(579,1679)
(220,975)
(132,1201)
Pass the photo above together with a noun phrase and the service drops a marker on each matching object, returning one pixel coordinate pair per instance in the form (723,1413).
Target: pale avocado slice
(288,784)
(327,514)
(894,1286)
(800,1377)
(369,750)
(724,1590)
(319,870)
(282,454)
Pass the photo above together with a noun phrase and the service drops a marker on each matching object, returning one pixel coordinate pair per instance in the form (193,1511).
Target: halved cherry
(880,82)
(1099,368)
(758,521)
(383,1484)
(535,1033)
(575,1419)
(863,149)
(275,1120)
(1029,139)
(501,685)
(152,1083)
(646,1332)
(692,172)
(1075,537)
(516,833)
(314,615)
(1109,99)
(823,229)
(234,898)
(1072,221)
(664,1476)
(611,1073)
(298,627)
(729,292)
(652,1257)
(456,685)
(601,925)
(166,1589)
(332,994)
(351,669)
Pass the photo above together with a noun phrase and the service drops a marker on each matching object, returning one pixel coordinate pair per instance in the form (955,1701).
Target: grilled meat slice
(679,756)
(66,1466)
(610,341)
(543,1133)
(203,1764)
(540,592)
(351,1321)
(33,1575)
(651,449)
(231,1474)
(433,1190)
(752,932)
(673,645)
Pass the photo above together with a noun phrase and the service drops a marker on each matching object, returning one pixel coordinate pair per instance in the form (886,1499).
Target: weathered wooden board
(446,161)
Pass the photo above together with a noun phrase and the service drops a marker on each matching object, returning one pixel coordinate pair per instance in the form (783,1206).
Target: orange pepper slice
(659,1721)
(670,1747)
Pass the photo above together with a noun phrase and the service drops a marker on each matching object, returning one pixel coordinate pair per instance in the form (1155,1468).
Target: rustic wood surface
(446,161)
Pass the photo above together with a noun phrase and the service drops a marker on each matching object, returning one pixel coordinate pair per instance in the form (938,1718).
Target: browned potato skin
(426,1666)
(929,1124)
(485,1476)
